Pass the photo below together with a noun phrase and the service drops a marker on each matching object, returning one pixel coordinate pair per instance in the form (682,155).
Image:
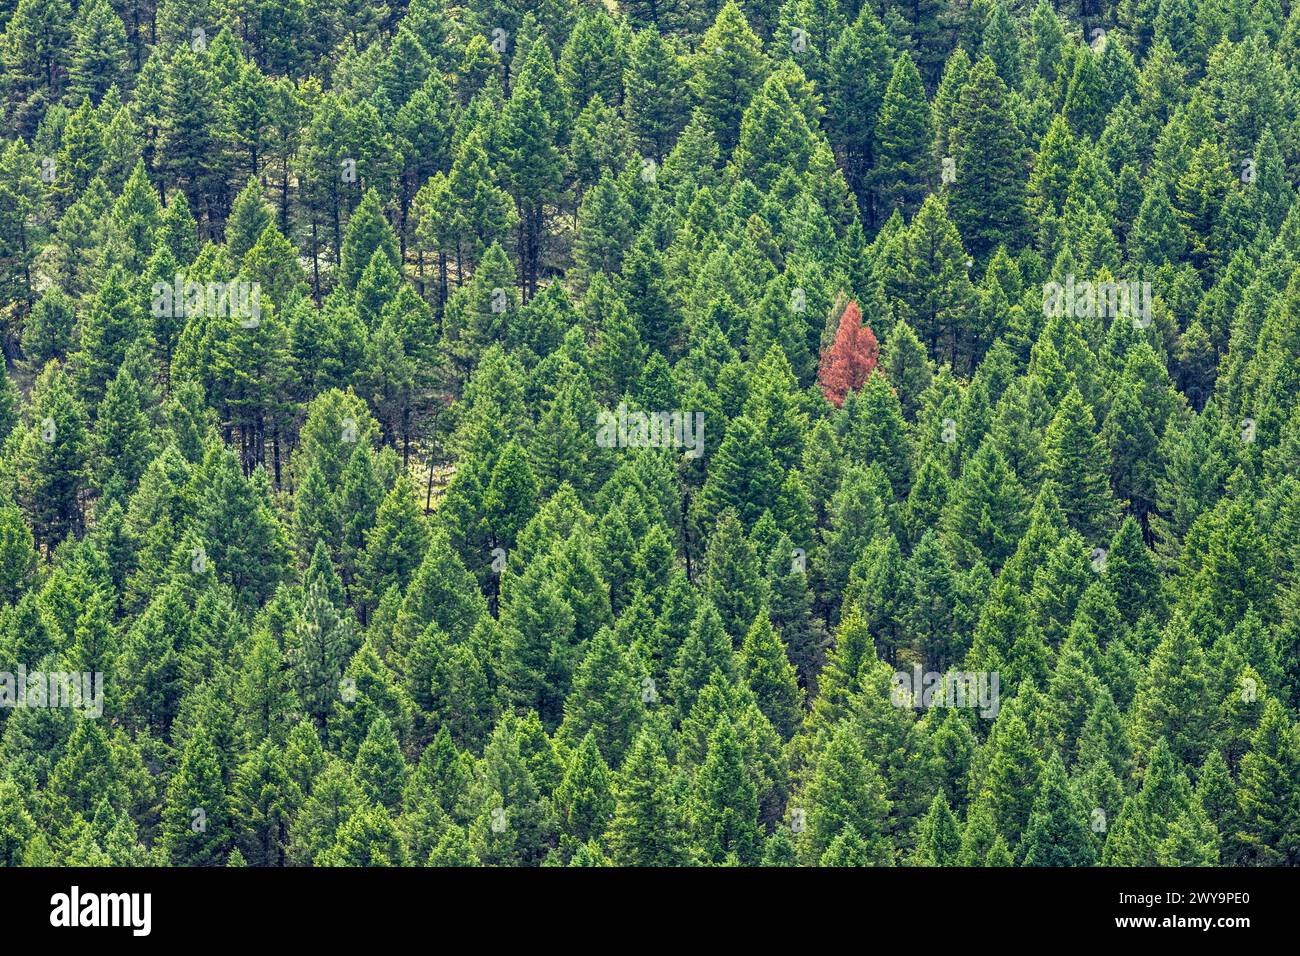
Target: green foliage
(312,330)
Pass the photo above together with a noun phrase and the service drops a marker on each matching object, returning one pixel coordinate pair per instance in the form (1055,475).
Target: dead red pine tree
(850,359)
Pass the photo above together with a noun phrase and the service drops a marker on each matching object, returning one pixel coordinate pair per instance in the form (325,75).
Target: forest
(820,433)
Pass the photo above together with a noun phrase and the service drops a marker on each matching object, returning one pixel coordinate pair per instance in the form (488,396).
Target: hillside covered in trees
(650,433)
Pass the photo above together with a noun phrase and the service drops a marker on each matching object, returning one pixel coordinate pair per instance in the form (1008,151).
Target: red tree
(850,359)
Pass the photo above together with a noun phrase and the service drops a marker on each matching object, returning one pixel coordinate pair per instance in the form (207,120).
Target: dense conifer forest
(654,432)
